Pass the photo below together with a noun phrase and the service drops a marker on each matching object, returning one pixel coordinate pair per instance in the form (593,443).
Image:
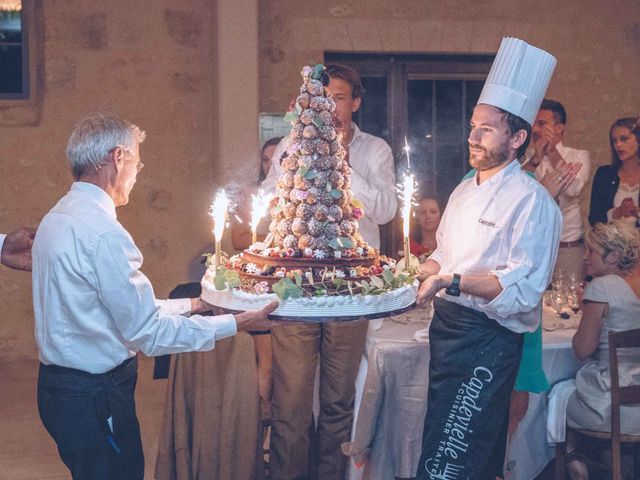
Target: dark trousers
(472,370)
(92,418)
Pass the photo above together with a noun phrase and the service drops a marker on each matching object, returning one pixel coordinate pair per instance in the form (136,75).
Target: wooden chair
(613,440)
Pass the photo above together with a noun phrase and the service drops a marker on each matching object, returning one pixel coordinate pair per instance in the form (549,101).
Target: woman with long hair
(615,192)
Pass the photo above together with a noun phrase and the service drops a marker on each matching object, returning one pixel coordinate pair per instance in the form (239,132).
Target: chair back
(626,395)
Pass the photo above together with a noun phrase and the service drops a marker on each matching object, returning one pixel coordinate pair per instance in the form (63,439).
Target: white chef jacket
(373,180)
(93,307)
(508,226)
(2,237)
(571,199)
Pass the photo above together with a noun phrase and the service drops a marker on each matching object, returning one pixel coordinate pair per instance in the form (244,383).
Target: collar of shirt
(104,201)
(357,133)
(513,167)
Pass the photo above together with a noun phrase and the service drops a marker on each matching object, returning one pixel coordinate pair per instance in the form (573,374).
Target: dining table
(391,400)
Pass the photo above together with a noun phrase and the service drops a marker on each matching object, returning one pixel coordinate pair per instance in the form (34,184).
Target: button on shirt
(93,307)
(508,226)
(373,180)
(571,199)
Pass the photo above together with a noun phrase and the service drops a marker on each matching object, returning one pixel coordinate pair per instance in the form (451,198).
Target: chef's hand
(428,290)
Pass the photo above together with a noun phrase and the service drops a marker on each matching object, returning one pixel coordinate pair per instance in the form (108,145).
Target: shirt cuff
(226,326)
(176,306)
(2,237)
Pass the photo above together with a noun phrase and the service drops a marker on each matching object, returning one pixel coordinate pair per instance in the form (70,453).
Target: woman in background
(615,192)
(425,226)
(611,302)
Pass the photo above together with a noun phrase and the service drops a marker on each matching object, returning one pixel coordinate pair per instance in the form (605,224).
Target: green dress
(531,377)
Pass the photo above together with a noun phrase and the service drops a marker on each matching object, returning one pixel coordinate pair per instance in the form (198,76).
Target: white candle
(408,191)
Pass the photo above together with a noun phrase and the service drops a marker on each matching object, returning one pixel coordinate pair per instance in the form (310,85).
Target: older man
(497,244)
(94,309)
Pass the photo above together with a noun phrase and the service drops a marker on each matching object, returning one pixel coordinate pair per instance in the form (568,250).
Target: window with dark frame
(427,99)
(14,65)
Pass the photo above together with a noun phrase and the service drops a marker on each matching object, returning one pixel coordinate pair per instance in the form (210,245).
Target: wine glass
(558,301)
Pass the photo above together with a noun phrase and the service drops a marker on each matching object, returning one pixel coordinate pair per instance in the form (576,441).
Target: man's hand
(429,288)
(16,249)
(558,180)
(256,320)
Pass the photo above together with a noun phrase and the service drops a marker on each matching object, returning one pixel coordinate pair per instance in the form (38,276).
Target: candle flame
(219,210)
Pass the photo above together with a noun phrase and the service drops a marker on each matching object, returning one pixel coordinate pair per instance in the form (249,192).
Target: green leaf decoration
(317,121)
(233,278)
(311,174)
(285,289)
(338,282)
(387,276)
(220,280)
(302,170)
(333,243)
(336,193)
(377,282)
(298,278)
(290,117)
(318,68)
(297,109)
(346,242)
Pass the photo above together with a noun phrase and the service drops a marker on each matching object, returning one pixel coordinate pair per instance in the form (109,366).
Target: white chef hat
(518,79)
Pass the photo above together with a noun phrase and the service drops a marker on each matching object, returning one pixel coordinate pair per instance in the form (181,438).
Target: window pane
(420,132)
(372,116)
(11,48)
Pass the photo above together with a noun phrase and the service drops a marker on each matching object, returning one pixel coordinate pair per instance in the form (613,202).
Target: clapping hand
(16,249)
(557,180)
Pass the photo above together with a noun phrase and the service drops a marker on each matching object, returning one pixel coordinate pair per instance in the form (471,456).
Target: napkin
(557,414)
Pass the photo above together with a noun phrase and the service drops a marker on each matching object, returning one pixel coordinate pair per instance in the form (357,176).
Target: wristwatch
(454,288)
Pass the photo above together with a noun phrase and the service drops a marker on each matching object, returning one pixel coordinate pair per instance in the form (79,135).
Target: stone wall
(155,63)
(596,42)
(152,63)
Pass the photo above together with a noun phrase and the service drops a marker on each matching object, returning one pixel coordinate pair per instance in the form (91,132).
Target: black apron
(473,367)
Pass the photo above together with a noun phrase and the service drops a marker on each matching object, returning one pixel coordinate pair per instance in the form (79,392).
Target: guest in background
(425,226)
(616,188)
(611,302)
(241,231)
(15,248)
(549,152)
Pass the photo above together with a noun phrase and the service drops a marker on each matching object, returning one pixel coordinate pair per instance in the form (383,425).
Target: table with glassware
(391,399)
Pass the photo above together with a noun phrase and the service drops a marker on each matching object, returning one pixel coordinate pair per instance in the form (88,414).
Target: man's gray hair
(95,136)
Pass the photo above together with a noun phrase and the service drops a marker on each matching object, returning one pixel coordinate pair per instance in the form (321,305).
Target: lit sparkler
(259,207)
(219,211)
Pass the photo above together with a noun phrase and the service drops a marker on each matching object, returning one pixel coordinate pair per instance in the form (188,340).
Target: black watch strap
(454,288)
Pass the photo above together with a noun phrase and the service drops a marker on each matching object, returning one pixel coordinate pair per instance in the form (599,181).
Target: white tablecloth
(391,402)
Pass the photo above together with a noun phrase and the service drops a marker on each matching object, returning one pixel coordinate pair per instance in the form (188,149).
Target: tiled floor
(26,450)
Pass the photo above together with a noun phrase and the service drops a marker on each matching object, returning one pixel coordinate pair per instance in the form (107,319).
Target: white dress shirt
(373,180)
(508,226)
(93,307)
(571,199)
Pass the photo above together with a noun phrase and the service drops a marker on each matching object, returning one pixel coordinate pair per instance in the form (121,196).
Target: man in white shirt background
(497,244)
(15,248)
(94,309)
(548,153)
(337,345)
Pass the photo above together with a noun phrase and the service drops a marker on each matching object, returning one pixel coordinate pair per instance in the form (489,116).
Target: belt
(575,243)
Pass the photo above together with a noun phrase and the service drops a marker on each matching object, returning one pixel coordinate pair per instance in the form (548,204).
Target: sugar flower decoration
(252,268)
(261,288)
(318,254)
